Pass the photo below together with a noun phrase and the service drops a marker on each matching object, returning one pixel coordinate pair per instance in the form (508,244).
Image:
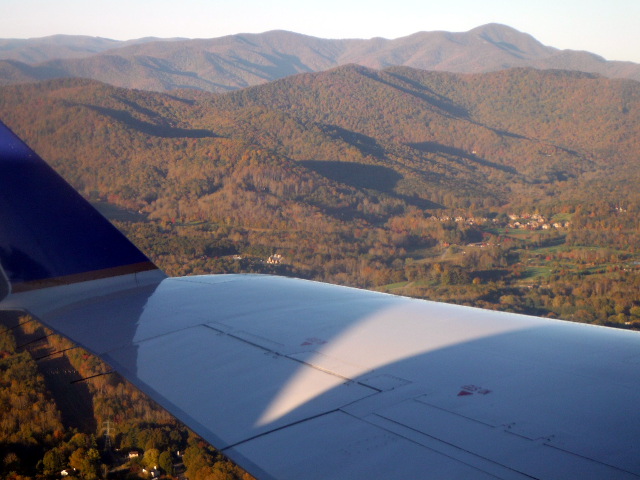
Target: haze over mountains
(238,61)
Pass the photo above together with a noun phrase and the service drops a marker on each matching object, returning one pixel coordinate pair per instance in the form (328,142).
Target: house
(275,259)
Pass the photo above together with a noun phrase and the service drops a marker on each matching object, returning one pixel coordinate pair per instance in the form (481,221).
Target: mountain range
(238,61)
(348,141)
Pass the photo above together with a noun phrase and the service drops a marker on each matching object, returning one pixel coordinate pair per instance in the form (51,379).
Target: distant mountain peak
(495,29)
(510,39)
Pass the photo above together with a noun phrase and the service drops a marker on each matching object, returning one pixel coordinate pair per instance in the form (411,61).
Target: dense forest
(515,190)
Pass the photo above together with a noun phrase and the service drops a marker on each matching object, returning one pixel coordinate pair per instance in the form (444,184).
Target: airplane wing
(298,379)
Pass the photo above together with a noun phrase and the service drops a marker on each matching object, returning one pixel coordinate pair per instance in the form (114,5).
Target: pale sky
(610,28)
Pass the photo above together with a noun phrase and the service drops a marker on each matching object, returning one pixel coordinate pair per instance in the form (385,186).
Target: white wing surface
(297,379)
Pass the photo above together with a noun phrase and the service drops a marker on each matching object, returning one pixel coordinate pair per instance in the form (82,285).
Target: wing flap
(500,445)
(339,446)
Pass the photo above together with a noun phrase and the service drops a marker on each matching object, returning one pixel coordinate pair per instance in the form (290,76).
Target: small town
(524,221)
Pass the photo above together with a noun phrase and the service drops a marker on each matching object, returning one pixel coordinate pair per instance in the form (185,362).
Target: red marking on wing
(471,389)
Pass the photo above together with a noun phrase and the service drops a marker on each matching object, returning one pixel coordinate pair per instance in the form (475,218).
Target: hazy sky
(607,27)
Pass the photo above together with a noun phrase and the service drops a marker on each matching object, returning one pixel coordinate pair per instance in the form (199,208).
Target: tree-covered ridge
(490,137)
(508,118)
(379,179)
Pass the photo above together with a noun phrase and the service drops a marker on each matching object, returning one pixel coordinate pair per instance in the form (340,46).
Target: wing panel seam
(246,440)
(278,354)
(468,452)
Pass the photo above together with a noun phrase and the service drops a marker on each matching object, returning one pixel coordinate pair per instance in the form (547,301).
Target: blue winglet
(49,234)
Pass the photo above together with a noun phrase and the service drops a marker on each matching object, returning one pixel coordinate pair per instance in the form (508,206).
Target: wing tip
(50,235)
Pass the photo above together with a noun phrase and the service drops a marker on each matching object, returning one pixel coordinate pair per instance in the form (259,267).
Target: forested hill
(237,61)
(513,190)
(346,143)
